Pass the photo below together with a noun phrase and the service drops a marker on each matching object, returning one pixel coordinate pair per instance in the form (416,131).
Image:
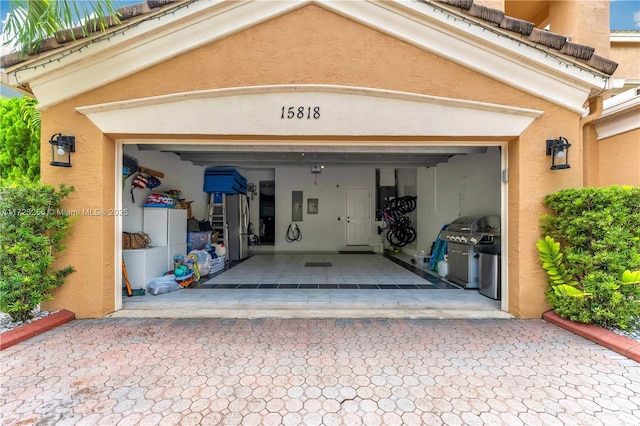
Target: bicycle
(399,229)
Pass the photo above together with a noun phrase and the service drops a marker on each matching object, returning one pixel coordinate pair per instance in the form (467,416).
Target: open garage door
(448,153)
(448,181)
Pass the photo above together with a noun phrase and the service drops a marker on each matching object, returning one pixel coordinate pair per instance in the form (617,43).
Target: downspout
(595,111)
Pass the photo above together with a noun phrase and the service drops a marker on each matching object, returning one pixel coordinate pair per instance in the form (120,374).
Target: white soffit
(62,75)
(625,37)
(315,110)
(621,114)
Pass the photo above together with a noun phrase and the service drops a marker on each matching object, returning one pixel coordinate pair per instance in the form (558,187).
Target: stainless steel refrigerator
(237,226)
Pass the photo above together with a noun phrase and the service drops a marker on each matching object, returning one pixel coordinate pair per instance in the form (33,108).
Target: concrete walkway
(259,303)
(126,371)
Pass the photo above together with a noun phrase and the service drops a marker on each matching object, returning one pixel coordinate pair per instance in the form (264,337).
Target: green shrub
(19,139)
(599,230)
(33,225)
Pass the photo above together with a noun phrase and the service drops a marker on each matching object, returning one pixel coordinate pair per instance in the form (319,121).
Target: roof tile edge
(582,53)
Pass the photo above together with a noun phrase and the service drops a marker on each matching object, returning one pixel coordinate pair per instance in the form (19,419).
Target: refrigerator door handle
(245,218)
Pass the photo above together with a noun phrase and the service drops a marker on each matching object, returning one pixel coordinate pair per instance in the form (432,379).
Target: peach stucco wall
(310,45)
(627,55)
(494,4)
(89,292)
(585,22)
(618,157)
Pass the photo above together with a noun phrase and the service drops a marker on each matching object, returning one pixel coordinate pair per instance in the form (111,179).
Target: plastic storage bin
(216,265)
(198,240)
(224,180)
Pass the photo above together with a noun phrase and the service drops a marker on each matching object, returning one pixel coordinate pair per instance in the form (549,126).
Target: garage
(423,99)
(316,259)
(340,174)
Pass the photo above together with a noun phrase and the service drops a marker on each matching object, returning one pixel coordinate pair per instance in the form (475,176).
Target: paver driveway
(309,372)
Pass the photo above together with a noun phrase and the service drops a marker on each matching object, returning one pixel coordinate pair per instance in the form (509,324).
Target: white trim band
(341,110)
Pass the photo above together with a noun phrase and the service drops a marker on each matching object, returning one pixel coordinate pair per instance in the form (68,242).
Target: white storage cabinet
(145,264)
(167,228)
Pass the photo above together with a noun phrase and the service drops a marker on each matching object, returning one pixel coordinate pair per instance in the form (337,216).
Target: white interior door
(358,217)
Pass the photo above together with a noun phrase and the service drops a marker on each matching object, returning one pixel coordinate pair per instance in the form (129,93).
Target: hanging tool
(129,290)
(126,279)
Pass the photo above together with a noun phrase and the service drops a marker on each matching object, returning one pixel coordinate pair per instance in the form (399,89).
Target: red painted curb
(610,340)
(27,331)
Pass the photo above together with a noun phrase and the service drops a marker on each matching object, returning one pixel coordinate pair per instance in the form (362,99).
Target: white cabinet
(145,264)
(167,228)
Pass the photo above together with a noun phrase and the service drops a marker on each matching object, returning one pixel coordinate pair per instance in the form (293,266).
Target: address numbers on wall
(301,112)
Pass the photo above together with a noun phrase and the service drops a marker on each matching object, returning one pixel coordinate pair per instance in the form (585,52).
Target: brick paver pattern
(315,372)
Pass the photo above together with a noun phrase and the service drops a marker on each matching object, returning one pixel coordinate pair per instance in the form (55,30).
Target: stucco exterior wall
(614,142)
(585,22)
(618,157)
(627,55)
(308,46)
(89,292)
(494,4)
(530,179)
(536,11)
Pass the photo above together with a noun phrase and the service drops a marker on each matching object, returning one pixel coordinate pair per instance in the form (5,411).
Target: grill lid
(474,230)
(473,224)
(463,224)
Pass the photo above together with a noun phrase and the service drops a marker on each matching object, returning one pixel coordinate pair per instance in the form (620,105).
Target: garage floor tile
(279,285)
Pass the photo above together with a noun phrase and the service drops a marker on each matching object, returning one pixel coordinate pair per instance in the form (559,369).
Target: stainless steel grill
(473,229)
(463,235)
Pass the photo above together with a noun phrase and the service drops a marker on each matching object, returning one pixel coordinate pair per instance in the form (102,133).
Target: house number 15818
(300,112)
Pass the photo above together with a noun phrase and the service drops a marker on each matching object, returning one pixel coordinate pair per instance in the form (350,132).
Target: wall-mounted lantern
(558,149)
(61,148)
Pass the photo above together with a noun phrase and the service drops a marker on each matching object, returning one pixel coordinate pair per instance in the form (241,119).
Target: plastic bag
(204,261)
(163,284)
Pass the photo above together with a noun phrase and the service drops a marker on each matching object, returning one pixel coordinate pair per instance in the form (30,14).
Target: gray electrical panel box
(296,206)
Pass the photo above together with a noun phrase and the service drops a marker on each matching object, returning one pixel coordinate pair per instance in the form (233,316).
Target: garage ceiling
(269,156)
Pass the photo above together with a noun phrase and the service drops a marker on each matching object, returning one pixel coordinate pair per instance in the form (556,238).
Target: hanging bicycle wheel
(394,240)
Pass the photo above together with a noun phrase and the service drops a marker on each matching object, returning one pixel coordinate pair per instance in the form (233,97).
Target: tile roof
(555,43)
(65,38)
